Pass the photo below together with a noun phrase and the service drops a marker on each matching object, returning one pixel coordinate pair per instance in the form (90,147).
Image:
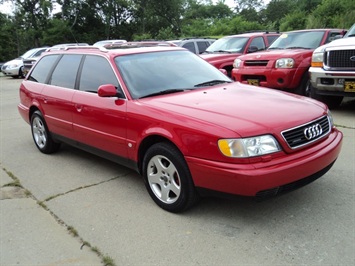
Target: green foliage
(333,14)
(34,25)
(294,21)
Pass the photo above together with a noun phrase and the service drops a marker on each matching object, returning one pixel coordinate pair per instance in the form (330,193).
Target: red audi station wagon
(178,121)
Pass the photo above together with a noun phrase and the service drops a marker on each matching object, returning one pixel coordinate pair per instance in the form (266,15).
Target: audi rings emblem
(313,131)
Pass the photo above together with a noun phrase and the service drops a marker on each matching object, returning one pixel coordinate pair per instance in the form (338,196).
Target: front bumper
(266,177)
(331,82)
(270,78)
(11,71)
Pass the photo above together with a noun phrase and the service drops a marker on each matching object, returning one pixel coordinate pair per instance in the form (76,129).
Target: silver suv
(195,45)
(332,73)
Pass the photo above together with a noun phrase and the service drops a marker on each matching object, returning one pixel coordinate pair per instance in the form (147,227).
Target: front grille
(307,133)
(340,59)
(256,62)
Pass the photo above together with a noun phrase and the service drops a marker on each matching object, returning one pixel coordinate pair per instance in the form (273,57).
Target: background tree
(34,24)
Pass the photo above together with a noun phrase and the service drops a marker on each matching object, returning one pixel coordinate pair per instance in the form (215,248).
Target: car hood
(243,109)
(14,61)
(276,54)
(219,56)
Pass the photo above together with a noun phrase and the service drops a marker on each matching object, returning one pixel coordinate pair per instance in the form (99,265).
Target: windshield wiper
(274,48)
(212,82)
(164,92)
(297,47)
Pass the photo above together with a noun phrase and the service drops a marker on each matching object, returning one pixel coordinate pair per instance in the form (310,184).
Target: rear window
(42,69)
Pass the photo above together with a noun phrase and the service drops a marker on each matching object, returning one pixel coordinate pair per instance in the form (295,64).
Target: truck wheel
(167,178)
(331,101)
(303,88)
(41,135)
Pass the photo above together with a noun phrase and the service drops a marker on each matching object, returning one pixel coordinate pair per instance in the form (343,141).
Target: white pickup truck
(332,71)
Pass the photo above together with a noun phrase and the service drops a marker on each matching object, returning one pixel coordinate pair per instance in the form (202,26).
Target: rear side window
(42,69)
(64,75)
(190,46)
(202,46)
(96,71)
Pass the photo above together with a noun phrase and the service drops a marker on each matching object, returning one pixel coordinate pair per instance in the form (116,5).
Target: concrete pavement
(107,206)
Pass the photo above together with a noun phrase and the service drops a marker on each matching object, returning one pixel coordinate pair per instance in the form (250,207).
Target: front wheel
(167,178)
(41,135)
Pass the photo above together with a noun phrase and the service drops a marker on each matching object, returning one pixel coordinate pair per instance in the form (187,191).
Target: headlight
(237,63)
(317,57)
(330,117)
(285,63)
(248,147)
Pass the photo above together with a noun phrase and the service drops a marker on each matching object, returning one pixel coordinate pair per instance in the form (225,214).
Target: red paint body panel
(279,78)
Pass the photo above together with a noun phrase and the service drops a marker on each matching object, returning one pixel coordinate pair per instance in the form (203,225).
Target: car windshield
(148,74)
(230,44)
(28,53)
(296,40)
(351,32)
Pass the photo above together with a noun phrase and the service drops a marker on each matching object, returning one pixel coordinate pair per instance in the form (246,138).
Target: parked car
(332,70)
(14,68)
(284,65)
(29,62)
(222,53)
(186,132)
(104,42)
(195,45)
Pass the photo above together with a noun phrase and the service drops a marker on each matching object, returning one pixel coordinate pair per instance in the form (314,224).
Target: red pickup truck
(222,52)
(284,65)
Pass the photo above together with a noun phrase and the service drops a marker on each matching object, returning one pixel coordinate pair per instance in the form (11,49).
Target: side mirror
(108,90)
(223,71)
(253,49)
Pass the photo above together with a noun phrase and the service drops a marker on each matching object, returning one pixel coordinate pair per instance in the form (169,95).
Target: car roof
(310,30)
(250,34)
(113,52)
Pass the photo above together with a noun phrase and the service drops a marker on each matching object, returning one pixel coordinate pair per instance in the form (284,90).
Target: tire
(303,88)
(20,73)
(168,179)
(331,101)
(41,135)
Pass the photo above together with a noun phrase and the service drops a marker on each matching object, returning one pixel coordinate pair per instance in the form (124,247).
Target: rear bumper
(262,179)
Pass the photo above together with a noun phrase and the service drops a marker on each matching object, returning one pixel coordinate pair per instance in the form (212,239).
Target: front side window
(42,69)
(65,73)
(258,42)
(229,44)
(96,71)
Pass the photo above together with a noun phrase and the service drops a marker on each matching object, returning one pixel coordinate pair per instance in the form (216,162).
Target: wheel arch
(147,143)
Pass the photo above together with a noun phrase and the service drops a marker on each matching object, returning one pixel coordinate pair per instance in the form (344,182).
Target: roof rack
(65,48)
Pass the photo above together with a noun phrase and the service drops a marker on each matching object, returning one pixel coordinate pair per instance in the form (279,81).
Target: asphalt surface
(73,208)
